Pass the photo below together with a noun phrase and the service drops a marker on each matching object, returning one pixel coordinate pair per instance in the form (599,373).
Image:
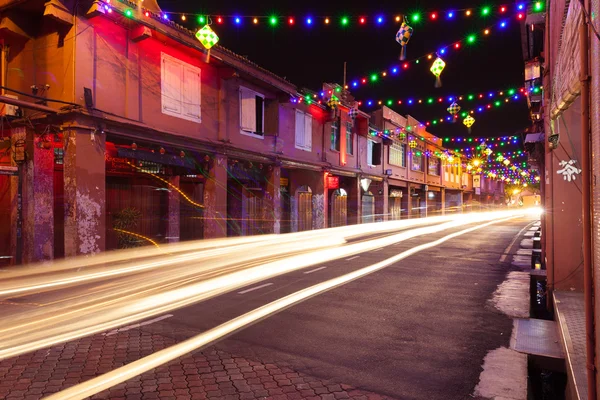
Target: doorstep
(570,317)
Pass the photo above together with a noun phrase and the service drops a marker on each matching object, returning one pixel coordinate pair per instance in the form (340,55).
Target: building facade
(122,130)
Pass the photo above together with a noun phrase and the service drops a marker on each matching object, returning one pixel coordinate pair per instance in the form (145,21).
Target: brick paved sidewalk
(207,374)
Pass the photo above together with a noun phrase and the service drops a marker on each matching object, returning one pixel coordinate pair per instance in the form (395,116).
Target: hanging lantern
(412,144)
(436,69)
(450,159)
(208,38)
(162,150)
(333,102)
(487,151)
(453,110)
(352,113)
(443,156)
(506,162)
(403,36)
(500,158)
(468,122)
(402,136)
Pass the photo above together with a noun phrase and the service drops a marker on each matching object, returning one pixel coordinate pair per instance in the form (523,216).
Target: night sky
(309,56)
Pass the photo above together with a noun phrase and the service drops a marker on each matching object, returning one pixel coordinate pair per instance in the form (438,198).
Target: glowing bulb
(326,20)
(291,21)
(309,21)
(255,20)
(183,17)
(468,13)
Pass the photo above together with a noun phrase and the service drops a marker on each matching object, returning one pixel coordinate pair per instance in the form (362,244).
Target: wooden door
(304,211)
(339,209)
(253,215)
(368,208)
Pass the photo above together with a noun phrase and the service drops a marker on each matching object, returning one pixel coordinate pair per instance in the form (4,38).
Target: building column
(443,201)
(84,192)
(274,198)
(215,199)
(173,211)
(355,200)
(36,198)
(386,200)
(319,202)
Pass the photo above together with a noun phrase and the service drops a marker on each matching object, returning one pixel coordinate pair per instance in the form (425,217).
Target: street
(417,328)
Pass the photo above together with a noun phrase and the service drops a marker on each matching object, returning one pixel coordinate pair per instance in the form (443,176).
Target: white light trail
(128,298)
(156,359)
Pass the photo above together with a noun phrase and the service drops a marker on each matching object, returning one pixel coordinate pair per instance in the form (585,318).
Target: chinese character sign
(569,170)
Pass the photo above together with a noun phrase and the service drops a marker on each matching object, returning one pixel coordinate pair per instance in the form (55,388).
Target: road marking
(507,250)
(315,270)
(381,248)
(254,288)
(156,359)
(130,327)
(352,258)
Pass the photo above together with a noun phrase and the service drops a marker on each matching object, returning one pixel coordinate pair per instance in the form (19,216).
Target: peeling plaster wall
(84,192)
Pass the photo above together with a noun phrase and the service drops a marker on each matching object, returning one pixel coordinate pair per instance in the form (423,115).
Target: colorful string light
(431,100)
(362,20)
(396,69)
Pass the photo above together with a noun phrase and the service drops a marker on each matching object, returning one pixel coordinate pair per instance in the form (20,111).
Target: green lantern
(436,69)
(207,37)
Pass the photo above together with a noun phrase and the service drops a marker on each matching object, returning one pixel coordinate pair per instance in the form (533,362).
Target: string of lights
(396,69)
(412,101)
(361,20)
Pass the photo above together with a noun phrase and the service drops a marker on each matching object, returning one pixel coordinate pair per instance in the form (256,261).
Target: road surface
(417,328)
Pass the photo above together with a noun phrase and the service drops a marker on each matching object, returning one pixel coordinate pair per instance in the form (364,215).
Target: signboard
(283,181)
(8,170)
(477,191)
(476,181)
(333,182)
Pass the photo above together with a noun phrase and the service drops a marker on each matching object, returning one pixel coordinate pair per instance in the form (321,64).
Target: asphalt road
(418,329)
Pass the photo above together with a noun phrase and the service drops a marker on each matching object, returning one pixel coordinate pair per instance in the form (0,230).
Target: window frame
(399,148)
(306,135)
(166,58)
(335,127)
(349,139)
(437,171)
(370,144)
(256,135)
(413,154)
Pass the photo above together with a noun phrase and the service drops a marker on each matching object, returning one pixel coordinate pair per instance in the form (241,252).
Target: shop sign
(395,193)
(333,182)
(476,181)
(283,181)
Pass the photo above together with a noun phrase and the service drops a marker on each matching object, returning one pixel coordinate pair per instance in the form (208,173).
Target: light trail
(161,357)
(153,292)
(123,262)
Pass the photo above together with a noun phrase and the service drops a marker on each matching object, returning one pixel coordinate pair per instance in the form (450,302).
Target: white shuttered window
(252,112)
(180,89)
(304,126)
(370,144)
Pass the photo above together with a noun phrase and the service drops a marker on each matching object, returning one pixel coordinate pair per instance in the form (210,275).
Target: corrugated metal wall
(595,117)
